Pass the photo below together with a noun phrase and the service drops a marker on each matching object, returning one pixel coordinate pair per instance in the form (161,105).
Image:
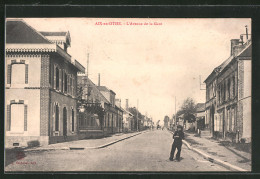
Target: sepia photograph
(128,95)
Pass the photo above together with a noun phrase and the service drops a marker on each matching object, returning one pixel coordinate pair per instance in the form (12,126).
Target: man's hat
(179,126)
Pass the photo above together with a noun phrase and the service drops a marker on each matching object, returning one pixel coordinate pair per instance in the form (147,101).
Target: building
(228,94)
(40,81)
(114,114)
(200,122)
(93,106)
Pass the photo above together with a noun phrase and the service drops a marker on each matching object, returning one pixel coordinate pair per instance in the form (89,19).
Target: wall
(31,97)
(70,104)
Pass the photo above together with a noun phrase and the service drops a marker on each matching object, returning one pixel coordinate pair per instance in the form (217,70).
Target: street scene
(127,95)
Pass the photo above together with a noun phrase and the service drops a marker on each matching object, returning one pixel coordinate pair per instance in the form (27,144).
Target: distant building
(200,117)
(112,123)
(166,121)
(41,85)
(228,94)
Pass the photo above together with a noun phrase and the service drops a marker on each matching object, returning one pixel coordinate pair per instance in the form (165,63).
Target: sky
(151,64)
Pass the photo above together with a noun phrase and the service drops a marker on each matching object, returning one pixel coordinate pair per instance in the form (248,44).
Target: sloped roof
(53,33)
(103,88)
(200,107)
(58,36)
(96,87)
(18,31)
(246,52)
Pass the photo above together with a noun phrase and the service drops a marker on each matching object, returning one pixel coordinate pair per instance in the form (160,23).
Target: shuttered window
(8,116)
(18,74)
(72,120)
(56,118)
(9,71)
(17,117)
(26,73)
(25,117)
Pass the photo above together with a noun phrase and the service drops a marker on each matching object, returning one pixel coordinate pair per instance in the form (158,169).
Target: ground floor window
(72,120)
(57,116)
(17,118)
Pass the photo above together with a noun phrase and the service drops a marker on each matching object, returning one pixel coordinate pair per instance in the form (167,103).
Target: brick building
(114,113)
(90,124)
(40,81)
(228,94)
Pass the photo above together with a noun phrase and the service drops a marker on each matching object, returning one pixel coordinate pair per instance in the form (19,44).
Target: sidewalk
(87,143)
(219,152)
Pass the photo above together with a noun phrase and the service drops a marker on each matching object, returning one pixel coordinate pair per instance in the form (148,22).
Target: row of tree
(188,108)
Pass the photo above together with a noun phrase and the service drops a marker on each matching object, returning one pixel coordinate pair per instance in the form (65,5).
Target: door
(64,121)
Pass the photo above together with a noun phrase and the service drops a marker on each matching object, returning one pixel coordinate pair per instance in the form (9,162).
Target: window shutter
(54,81)
(60,82)
(63,83)
(68,83)
(8,115)
(25,117)
(9,69)
(26,73)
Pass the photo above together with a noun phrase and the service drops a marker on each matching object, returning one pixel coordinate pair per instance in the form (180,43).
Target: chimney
(126,104)
(118,102)
(234,42)
(99,79)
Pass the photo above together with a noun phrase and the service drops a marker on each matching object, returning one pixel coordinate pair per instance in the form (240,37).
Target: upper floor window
(57,78)
(17,72)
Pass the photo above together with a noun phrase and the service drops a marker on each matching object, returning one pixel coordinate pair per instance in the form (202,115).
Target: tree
(166,121)
(188,108)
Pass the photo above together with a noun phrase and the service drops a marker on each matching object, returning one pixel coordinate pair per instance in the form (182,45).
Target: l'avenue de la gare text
(128,23)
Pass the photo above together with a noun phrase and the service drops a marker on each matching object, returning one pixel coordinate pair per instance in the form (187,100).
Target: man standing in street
(178,136)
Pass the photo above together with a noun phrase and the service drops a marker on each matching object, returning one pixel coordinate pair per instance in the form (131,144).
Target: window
(233,120)
(72,120)
(57,79)
(228,88)
(224,92)
(17,118)
(18,74)
(234,86)
(65,83)
(228,120)
(57,117)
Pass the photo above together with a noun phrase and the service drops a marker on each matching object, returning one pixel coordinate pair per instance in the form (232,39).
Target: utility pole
(87,64)
(137,116)
(175,121)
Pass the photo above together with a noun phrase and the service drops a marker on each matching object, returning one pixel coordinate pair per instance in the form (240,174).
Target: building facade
(40,94)
(228,95)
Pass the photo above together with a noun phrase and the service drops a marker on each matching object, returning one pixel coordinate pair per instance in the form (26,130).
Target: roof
(200,107)
(58,37)
(18,31)
(21,37)
(246,52)
(104,88)
(53,33)
(96,87)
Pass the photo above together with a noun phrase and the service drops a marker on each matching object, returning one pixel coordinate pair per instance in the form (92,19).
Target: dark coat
(178,136)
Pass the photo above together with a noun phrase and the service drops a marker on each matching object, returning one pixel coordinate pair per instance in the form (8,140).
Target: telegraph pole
(137,115)
(175,122)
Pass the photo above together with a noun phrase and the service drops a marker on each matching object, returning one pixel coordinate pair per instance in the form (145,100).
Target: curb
(82,148)
(214,160)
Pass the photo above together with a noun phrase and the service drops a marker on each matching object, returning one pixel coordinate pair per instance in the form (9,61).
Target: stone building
(40,86)
(228,94)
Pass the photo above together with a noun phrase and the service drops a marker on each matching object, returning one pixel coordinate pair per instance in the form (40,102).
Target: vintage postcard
(128,94)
